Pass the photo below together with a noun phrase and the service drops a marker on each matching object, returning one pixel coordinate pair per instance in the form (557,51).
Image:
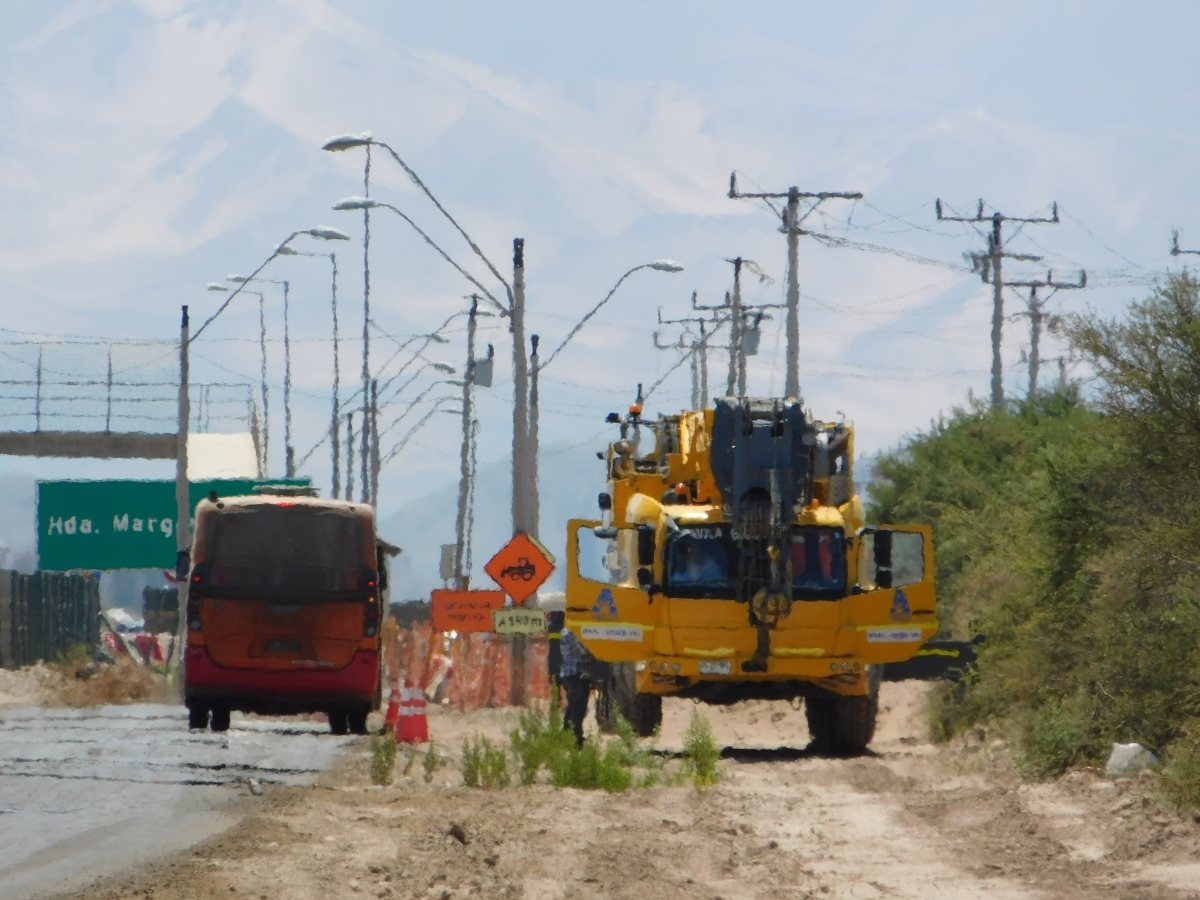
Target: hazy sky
(147,148)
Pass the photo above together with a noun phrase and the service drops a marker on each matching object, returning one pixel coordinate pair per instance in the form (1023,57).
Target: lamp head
(442,367)
(325,233)
(666,265)
(285,251)
(237,279)
(214,286)
(347,141)
(355,203)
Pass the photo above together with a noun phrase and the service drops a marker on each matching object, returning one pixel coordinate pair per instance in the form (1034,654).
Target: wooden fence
(45,614)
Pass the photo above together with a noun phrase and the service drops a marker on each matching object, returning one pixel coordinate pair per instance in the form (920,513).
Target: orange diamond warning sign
(521,567)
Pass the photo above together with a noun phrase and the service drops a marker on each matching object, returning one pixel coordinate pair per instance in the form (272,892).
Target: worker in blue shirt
(575,676)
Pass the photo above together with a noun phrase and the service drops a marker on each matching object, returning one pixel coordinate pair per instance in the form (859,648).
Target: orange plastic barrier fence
(469,671)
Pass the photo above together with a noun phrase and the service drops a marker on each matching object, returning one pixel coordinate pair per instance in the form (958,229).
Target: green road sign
(106,525)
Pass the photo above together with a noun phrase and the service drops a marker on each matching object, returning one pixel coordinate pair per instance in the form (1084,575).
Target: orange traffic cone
(412,726)
(393,708)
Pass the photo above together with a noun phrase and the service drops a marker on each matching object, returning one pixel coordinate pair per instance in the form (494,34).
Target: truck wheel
(646,713)
(338,721)
(357,721)
(820,714)
(197,717)
(854,722)
(220,720)
(643,711)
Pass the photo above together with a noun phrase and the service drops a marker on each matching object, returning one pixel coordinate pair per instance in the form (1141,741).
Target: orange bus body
(284,610)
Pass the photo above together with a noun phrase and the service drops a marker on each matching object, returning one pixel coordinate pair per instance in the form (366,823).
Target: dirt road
(908,820)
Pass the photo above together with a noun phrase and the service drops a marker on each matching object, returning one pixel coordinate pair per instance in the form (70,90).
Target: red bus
(284,610)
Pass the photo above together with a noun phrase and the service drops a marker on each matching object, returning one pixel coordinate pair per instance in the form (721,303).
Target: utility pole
(462,577)
(989,267)
(183,511)
(366,349)
(374,443)
(1175,251)
(736,383)
(791,220)
(533,512)
(266,396)
(334,435)
(1037,315)
(289,452)
(520,519)
(350,455)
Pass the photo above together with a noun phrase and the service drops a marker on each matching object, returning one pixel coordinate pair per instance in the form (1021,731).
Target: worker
(575,676)
(698,566)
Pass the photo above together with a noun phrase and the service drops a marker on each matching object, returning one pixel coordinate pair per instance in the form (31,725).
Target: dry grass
(78,683)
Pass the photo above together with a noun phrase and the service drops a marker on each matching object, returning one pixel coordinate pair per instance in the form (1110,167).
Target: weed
(429,762)
(1050,739)
(700,754)
(383,758)
(472,763)
(535,741)
(412,758)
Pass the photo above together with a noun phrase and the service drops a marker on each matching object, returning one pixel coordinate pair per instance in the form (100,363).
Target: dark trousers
(578,688)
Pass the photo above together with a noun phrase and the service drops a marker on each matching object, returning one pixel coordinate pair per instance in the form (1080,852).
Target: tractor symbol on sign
(524,570)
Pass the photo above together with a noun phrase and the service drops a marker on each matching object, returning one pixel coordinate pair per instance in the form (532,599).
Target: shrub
(1180,784)
(429,763)
(1051,739)
(484,764)
(383,758)
(700,753)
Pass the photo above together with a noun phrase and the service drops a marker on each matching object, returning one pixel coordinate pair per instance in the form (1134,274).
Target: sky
(149,147)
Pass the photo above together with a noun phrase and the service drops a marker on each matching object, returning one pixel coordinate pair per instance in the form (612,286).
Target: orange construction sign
(464,611)
(521,567)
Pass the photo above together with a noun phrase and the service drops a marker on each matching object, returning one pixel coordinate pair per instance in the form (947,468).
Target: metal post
(37,402)
(520,389)
(741,343)
(533,510)
(703,353)
(374,443)
(289,452)
(350,456)
(461,575)
(366,353)
(792,376)
(997,255)
(108,408)
(266,397)
(696,395)
(334,442)
(1062,373)
(183,531)
(735,331)
(1035,339)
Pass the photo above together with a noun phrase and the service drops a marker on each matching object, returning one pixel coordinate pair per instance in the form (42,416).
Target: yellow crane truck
(731,561)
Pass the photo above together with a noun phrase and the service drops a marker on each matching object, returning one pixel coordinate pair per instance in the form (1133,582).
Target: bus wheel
(338,723)
(220,720)
(357,721)
(198,717)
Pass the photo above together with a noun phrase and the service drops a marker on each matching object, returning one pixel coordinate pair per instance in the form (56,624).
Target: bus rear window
(269,551)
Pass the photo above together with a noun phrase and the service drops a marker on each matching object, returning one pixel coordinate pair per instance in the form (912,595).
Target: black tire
(820,713)
(338,721)
(357,721)
(197,717)
(220,720)
(854,722)
(643,711)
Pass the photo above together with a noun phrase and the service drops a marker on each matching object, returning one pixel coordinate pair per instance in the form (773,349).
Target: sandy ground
(907,820)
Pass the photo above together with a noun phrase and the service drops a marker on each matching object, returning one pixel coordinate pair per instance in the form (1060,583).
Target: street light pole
(183,531)
(520,445)
(462,577)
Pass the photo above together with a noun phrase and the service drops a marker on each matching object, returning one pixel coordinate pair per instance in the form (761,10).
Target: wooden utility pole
(1036,312)
(989,266)
(791,227)
(183,510)
(520,447)
(698,348)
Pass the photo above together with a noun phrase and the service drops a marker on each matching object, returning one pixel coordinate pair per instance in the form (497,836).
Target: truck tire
(220,719)
(338,721)
(357,721)
(820,713)
(854,722)
(620,694)
(198,717)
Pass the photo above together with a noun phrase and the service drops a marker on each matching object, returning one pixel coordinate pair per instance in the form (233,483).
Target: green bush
(1051,739)
(472,763)
(484,764)
(700,754)
(383,758)
(429,762)
(1180,782)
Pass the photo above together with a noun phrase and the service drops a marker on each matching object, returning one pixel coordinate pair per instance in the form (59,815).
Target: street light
(334,443)
(266,397)
(530,464)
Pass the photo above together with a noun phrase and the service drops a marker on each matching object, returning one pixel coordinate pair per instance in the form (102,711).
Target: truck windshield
(295,552)
(818,562)
(700,562)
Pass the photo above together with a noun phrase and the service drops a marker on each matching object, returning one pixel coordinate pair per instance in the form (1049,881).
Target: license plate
(715,667)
